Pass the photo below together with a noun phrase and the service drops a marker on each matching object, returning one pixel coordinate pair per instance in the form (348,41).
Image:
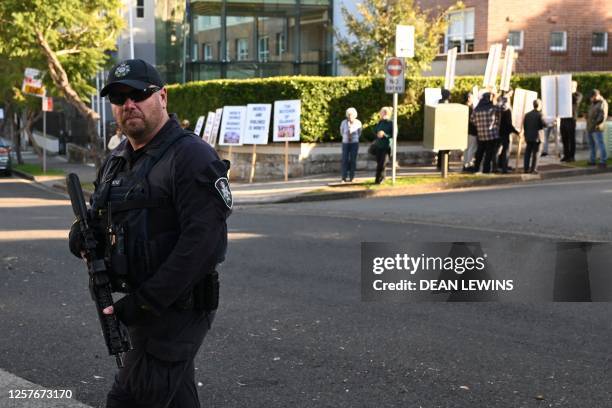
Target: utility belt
(204,296)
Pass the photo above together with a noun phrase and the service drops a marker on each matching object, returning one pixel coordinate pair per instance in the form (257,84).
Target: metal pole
(44,142)
(394,138)
(98,100)
(131,28)
(104,118)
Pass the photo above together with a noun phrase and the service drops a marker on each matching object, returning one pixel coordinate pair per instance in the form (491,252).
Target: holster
(206,293)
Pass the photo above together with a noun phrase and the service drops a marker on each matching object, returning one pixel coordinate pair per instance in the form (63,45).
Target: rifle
(115,333)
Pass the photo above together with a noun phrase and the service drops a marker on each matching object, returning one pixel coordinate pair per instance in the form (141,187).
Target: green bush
(325,99)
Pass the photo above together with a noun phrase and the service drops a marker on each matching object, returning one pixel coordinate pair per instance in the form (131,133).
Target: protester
(505,129)
(350,129)
(596,122)
(116,139)
(468,155)
(532,126)
(551,129)
(568,127)
(486,119)
(384,133)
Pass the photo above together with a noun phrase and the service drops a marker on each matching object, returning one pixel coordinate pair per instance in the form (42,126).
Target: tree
(371,36)
(70,40)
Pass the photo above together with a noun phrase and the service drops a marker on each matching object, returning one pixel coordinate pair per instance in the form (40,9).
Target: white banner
(557,96)
(451,63)
(257,123)
(432,96)
(210,121)
(522,103)
(216,125)
(198,126)
(287,121)
(232,125)
(490,77)
(507,68)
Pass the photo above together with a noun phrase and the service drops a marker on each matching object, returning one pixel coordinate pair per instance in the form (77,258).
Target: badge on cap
(122,70)
(222,186)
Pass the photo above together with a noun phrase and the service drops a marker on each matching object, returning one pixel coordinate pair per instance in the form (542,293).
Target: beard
(135,125)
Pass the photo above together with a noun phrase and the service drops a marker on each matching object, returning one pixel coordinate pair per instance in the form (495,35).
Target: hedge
(325,99)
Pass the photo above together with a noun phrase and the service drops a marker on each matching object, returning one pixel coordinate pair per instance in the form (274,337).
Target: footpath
(411,180)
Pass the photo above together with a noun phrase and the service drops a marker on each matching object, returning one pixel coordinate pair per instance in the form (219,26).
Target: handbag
(373,149)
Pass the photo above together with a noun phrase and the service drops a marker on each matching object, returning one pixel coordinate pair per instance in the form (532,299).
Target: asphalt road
(292,330)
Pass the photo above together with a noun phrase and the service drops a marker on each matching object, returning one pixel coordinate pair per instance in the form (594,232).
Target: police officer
(160,206)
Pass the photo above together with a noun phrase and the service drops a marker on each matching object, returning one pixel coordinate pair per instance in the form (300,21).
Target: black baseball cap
(134,73)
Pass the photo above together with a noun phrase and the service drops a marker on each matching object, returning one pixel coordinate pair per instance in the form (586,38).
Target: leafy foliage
(372,35)
(325,99)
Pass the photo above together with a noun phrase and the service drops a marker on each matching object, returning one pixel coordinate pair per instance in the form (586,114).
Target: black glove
(75,239)
(133,310)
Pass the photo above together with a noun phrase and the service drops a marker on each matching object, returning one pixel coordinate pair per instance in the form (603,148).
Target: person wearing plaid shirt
(486,118)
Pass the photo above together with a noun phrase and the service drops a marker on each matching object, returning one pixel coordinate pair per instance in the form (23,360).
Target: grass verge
(36,170)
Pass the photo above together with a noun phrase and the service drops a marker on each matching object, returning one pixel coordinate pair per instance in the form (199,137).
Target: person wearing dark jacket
(159,208)
(445,93)
(505,129)
(532,126)
(383,131)
(486,119)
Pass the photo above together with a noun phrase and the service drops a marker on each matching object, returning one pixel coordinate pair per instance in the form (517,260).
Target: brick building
(550,35)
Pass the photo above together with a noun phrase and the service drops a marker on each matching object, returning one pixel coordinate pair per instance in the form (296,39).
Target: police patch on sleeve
(223,188)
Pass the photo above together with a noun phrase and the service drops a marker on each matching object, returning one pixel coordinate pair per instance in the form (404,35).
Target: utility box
(446,127)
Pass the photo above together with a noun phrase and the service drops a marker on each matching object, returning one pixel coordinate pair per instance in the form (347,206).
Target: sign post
(47,106)
(395,83)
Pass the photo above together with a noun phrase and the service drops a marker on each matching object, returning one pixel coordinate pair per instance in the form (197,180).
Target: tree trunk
(60,79)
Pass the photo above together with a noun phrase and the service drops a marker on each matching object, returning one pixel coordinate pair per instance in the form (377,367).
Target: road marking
(32,235)
(10,382)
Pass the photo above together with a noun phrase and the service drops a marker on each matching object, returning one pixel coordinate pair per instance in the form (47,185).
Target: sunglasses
(136,95)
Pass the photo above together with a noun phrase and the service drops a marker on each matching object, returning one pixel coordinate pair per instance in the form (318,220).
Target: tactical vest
(137,243)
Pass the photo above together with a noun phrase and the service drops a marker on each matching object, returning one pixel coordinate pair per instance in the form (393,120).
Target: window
(242,49)
(207,51)
(515,39)
(600,42)
(140,8)
(280,44)
(460,32)
(263,49)
(558,41)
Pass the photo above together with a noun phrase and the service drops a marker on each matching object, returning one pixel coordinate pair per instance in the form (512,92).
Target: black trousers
(381,156)
(486,149)
(531,156)
(568,137)
(502,159)
(156,372)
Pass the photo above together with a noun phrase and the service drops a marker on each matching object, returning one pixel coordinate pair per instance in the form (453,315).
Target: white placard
(198,126)
(287,121)
(210,121)
(32,83)
(557,96)
(507,69)
(232,125)
(216,125)
(522,103)
(1,113)
(432,96)
(257,123)
(404,41)
(451,63)
(490,77)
